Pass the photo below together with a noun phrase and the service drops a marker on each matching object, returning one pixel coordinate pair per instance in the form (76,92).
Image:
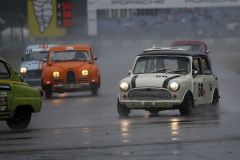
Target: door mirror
(194,73)
(129,72)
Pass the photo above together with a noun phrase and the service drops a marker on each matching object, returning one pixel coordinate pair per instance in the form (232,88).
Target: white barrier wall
(167,43)
(94,5)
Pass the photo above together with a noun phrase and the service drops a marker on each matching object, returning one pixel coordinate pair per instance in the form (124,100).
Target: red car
(193,45)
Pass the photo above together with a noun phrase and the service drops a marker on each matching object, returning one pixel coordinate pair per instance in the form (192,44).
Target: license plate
(69,86)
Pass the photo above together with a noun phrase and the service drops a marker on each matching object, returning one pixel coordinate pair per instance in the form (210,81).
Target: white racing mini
(166,79)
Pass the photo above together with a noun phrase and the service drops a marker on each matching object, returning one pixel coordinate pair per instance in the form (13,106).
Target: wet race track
(79,126)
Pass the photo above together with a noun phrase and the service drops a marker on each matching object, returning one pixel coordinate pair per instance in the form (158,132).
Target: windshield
(69,55)
(162,64)
(34,56)
(191,47)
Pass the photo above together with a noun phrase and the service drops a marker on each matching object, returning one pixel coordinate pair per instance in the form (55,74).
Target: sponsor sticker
(3,97)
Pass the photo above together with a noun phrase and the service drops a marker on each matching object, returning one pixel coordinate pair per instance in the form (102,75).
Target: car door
(199,82)
(209,80)
(6,88)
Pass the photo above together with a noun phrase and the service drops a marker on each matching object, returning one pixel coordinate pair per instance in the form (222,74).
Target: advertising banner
(94,5)
(145,4)
(42,18)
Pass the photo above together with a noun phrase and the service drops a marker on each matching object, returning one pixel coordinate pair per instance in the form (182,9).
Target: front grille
(71,76)
(58,80)
(149,94)
(33,74)
(84,79)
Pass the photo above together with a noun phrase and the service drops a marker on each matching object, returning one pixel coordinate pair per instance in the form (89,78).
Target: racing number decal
(200,90)
(3,98)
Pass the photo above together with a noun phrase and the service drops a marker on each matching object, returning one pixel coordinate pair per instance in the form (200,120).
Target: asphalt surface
(79,126)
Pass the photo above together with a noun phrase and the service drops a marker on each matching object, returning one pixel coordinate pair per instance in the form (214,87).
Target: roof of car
(38,47)
(171,51)
(71,47)
(189,42)
(2,59)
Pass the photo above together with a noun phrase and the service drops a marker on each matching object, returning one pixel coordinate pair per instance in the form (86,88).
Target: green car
(18,99)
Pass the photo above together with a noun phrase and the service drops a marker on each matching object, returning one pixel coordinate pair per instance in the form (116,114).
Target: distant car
(192,45)
(18,99)
(167,79)
(70,68)
(31,67)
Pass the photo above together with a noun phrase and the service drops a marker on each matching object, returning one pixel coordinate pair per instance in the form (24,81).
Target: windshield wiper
(79,59)
(159,70)
(176,70)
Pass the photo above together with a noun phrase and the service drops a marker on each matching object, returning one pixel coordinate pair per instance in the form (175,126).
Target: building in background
(162,18)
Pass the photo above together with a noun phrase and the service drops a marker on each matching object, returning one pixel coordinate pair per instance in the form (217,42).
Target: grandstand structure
(163,18)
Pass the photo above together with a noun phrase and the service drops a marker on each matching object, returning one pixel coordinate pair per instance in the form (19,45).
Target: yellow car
(18,99)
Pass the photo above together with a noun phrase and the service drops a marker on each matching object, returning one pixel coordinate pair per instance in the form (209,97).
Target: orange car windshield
(69,55)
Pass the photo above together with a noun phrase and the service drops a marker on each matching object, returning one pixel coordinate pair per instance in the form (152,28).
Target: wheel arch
(215,89)
(190,92)
(26,107)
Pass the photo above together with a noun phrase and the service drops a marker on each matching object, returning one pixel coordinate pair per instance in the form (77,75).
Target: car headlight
(23,70)
(124,86)
(85,72)
(56,74)
(174,86)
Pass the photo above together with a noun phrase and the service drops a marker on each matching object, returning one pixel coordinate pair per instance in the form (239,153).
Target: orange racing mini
(70,68)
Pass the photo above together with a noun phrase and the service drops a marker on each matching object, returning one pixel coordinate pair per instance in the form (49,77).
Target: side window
(202,48)
(197,65)
(206,66)
(82,55)
(3,71)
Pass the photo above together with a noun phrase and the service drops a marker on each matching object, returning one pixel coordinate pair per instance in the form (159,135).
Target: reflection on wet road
(79,126)
(133,136)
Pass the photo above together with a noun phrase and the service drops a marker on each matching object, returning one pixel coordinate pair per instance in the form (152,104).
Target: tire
(215,102)
(20,120)
(153,111)
(187,105)
(94,91)
(123,111)
(48,91)
(94,88)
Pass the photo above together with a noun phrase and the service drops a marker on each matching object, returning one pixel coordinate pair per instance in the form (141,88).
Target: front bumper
(72,86)
(140,104)
(149,97)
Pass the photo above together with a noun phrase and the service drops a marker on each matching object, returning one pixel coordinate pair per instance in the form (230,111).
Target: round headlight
(56,74)
(85,72)
(174,86)
(124,86)
(23,70)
